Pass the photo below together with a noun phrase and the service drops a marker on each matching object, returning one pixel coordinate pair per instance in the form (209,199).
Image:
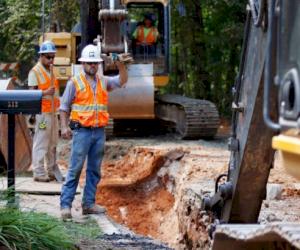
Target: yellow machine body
(288,146)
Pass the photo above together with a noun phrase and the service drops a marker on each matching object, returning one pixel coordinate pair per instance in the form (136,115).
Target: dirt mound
(133,168)
(136,166)
(133,193)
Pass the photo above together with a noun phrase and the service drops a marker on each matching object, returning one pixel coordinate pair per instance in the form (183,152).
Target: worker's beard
(91,71)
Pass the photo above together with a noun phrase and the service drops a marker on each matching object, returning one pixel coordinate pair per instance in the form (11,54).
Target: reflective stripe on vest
(149,39)
(89,108)
(44,82)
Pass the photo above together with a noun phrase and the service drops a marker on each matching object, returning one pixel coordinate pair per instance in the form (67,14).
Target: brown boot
(55,174)
(96,209)
(42,178)
(53,178)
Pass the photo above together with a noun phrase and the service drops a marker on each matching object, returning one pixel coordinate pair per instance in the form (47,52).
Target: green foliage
(21,25)
(58,14)
(206,44)
(19,29)
(29,230)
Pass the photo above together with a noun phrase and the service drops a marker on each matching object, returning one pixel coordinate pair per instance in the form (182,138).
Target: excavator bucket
(24,140)
(136,99)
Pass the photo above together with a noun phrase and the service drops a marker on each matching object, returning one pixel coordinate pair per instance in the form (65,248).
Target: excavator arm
(266,102)
(239,199)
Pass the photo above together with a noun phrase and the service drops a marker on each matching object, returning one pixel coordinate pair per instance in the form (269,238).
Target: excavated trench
(134,191)
(150,186)
(153,188)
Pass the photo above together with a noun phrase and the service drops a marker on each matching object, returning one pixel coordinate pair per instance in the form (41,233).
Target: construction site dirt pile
(132,192)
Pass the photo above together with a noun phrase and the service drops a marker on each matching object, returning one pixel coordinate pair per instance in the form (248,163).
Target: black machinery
(13,102)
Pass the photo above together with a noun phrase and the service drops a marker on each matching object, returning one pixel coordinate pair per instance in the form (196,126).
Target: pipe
(268,70)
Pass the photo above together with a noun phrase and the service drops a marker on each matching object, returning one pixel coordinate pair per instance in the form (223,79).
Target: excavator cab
(156,52)
(120,22)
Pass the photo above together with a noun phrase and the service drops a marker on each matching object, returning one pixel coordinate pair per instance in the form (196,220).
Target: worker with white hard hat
(84,103)
(46,129)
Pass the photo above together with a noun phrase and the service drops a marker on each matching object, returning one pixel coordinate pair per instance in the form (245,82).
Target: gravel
(122,242)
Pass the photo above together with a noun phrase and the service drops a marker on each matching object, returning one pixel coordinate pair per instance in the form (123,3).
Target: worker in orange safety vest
(46,127)
(84,103)
(146,36)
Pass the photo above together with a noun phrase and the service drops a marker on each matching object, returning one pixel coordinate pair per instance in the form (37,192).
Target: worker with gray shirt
(84,103)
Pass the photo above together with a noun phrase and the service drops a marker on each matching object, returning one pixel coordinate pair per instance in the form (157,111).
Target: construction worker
(46,129)
(84,102)
(145,36)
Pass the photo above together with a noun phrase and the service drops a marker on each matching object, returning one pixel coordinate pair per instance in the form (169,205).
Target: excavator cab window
(149,43)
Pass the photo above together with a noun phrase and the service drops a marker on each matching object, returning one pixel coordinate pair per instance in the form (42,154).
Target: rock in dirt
(274,191)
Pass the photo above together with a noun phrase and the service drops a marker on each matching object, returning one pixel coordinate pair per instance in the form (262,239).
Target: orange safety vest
(151,37)
(44,82)
(89,108)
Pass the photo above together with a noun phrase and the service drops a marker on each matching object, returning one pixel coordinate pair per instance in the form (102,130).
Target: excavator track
(254,236)
(193,118)
(109,129)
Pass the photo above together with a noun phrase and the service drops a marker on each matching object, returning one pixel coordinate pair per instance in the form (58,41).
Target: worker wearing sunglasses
(46,127)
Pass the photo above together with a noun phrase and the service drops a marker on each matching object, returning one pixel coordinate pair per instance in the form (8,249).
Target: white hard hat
(90,53)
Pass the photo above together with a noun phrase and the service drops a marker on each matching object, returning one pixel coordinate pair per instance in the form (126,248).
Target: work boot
(96,209)
(42,178)
(55,174)
(53,178)
(66,213)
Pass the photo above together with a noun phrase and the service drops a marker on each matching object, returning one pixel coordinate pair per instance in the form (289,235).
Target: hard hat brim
(89,60)
(47,51)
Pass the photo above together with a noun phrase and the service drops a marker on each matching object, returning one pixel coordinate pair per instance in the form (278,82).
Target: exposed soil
(133,193)
(139,210)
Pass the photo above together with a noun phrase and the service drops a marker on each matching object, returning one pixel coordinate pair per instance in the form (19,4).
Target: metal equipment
(266,101)
(13,102)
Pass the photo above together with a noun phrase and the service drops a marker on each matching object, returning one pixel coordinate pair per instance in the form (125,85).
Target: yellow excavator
(111,24)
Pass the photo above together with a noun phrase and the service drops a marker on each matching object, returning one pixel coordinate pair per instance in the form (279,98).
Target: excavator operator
(145,36)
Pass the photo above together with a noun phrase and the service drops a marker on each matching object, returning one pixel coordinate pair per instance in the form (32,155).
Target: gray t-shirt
(111,82)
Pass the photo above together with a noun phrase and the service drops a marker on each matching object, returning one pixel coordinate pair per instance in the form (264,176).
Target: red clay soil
(136,208)
(131,192)
(133,168)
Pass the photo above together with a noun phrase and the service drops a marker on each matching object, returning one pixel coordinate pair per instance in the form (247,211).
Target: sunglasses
(50,57)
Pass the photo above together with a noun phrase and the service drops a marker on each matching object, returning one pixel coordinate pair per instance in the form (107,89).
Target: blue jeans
(86,143)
